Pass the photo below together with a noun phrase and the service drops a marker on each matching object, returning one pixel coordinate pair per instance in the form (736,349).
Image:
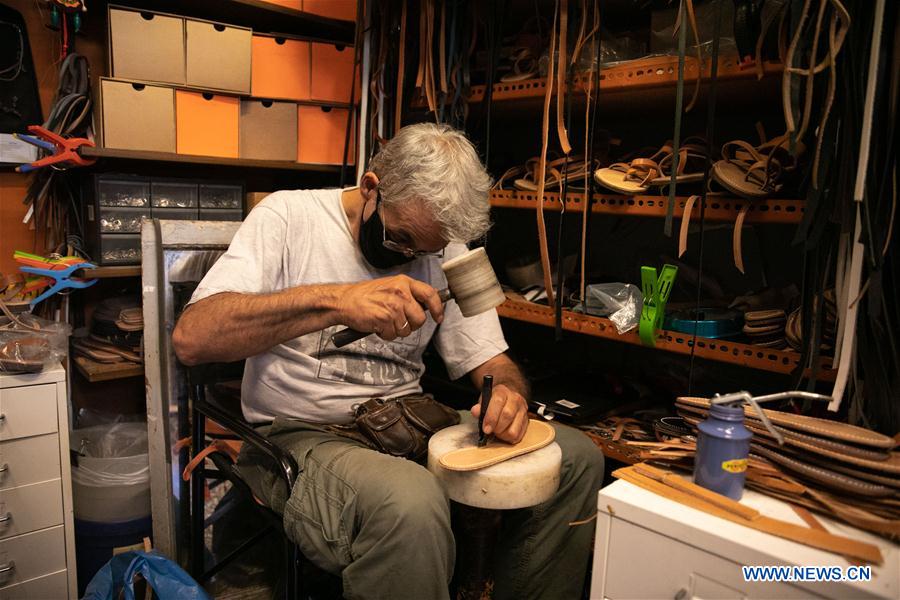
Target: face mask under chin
(371,238)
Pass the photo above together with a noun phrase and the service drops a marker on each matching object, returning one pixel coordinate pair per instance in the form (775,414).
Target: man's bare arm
(232,326)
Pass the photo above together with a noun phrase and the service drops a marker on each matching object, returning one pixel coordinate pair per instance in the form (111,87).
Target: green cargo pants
(383,523)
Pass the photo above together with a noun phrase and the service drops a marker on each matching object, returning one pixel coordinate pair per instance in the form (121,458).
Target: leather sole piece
(538,435)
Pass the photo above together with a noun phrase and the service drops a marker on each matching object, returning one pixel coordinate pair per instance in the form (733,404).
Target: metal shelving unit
(745,355)
(722,209)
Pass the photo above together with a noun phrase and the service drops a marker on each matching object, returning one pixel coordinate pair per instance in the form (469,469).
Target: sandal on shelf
(640,174)
(753,172)
(524,178)
(524,66)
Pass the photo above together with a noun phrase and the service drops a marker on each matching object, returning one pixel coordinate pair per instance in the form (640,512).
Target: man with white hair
(307,263)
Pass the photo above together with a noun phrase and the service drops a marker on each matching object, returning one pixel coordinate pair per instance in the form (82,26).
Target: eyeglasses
(395,247)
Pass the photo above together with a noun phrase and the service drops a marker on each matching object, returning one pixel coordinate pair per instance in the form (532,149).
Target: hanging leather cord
(679,104)
(561,80)
(564,192)
(711,143)
(847,311)
(591,88)
(542,164)
(49,194)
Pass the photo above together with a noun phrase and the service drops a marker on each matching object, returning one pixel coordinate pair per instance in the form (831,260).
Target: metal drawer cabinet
(37,527)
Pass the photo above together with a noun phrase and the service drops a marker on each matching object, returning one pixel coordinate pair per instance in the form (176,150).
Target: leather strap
(561,77)
(589,119)
(230,448)
(545,135)
(685,224)
(851,288)
(737,237)
(823,476)
(822,427)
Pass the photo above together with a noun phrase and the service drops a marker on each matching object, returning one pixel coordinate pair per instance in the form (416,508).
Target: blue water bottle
(722,450)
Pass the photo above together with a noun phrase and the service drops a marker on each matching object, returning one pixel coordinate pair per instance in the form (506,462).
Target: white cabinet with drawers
(37,533)
(648,546)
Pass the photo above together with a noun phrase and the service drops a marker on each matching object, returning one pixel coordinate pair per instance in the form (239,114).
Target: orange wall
(45,46)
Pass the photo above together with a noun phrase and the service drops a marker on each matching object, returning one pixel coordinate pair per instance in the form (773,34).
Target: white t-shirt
(302,237)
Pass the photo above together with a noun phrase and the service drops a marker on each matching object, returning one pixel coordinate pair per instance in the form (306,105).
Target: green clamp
(656,294)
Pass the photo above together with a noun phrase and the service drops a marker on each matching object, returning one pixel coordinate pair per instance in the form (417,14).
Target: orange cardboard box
(332,72)
(206,124)
(280,68)
(335,9)
(321,132)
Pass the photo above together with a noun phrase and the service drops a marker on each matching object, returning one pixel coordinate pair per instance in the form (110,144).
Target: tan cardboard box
(146,46)
(218,56)
(268,130)
(137,116)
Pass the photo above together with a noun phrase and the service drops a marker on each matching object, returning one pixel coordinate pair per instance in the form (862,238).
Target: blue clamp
(62,279)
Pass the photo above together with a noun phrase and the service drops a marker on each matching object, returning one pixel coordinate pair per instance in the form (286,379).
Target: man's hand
(507,415)
(391,307)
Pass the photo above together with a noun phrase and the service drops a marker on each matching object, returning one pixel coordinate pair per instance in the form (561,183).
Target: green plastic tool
(656,294)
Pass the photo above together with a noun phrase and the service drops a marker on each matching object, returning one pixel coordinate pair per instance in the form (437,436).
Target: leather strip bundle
(673,487)
(848,472)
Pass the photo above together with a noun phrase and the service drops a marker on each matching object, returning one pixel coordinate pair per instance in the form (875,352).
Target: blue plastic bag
(168,580)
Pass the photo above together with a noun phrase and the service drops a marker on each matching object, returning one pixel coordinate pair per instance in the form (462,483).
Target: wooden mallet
(471,281)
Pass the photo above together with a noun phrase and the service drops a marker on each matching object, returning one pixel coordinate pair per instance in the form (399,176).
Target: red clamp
(65,150)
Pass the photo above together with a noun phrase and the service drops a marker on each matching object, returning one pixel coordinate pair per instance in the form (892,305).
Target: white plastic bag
(621,302)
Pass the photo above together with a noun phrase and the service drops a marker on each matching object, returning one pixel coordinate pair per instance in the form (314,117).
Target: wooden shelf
(717,208)
(262,17)
(94,371)
(745,355)
(642,75)
(246,163)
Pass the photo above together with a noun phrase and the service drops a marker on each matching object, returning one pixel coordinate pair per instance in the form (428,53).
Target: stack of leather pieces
(794,329)
(849,473)
(765,328)
(117,332)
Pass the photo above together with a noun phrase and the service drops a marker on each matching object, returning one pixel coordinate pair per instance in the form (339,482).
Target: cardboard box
(268,130)
(207,124)
(332,72)
(218,56)
(137,116)
(335,9)
(280,68)
(321,132)
(146,46)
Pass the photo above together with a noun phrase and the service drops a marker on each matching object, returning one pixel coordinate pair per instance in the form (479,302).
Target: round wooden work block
(520,482)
